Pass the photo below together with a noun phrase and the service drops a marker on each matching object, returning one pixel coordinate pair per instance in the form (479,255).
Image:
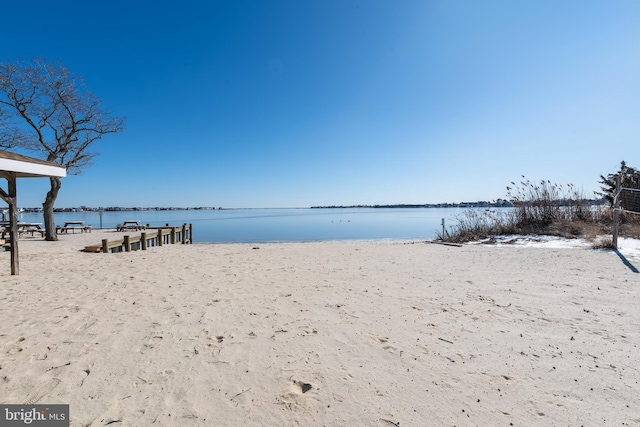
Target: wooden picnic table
(23,227)
(130,225)
(73,226)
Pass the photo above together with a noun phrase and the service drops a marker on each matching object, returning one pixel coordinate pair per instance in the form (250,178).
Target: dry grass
(545,209)
(603,243)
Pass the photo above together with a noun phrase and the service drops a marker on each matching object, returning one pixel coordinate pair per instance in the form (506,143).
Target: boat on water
(5,213)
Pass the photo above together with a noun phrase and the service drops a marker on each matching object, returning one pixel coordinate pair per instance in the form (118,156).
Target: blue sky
(303,103)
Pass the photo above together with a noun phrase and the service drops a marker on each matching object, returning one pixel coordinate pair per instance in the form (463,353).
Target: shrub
(539,208)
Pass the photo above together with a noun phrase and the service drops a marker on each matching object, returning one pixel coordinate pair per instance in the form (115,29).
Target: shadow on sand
(626,262)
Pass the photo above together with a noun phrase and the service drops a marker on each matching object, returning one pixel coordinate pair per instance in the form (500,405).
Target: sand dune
(335,333)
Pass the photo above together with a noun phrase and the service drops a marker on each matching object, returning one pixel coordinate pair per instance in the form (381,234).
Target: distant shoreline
(500,203)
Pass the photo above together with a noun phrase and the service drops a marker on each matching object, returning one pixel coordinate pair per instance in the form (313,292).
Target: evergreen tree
(630,177)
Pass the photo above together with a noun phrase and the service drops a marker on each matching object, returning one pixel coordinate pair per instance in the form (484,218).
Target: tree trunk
(47,206)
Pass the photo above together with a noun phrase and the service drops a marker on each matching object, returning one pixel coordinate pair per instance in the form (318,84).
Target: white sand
(322,334)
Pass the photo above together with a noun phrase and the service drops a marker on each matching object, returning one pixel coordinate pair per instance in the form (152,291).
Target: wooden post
(105,246)
(616,212)
(159,236)
(13,223)
(173,235)
(127,244)
(143,241)
(190,233)
(184,233)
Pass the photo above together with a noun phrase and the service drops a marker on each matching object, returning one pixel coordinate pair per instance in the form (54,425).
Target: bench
(32,231)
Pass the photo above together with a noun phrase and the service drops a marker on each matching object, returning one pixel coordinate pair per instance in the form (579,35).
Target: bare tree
(10,135)
(46,109)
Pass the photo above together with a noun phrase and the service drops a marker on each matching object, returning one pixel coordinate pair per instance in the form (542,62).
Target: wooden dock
(155,236)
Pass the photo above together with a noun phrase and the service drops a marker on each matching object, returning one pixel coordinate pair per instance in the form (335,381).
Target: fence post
(173,235)
(143,241)
(127,244)
(105,246)
(616,212)
(184,233)
(159,236)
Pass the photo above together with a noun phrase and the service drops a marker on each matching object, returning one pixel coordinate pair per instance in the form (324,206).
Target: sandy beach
(375,333)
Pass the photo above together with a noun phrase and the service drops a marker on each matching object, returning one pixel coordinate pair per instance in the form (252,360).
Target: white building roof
(29,167)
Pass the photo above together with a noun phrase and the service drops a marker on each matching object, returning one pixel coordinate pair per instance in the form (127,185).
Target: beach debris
(447,341)
(243,391)
(437,242)
(56,367)
(503,306)
(86,371)
(304,387)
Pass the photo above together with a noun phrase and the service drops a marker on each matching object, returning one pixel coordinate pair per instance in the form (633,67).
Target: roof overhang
(28,167)
(12,166)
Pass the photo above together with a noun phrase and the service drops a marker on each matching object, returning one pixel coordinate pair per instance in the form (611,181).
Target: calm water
(281,225)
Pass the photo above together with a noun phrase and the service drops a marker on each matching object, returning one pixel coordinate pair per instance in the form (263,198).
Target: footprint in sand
(294,397)
(86,325)
(150,341)
(384,340)
(379,338)
(41,391)
(16,346)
